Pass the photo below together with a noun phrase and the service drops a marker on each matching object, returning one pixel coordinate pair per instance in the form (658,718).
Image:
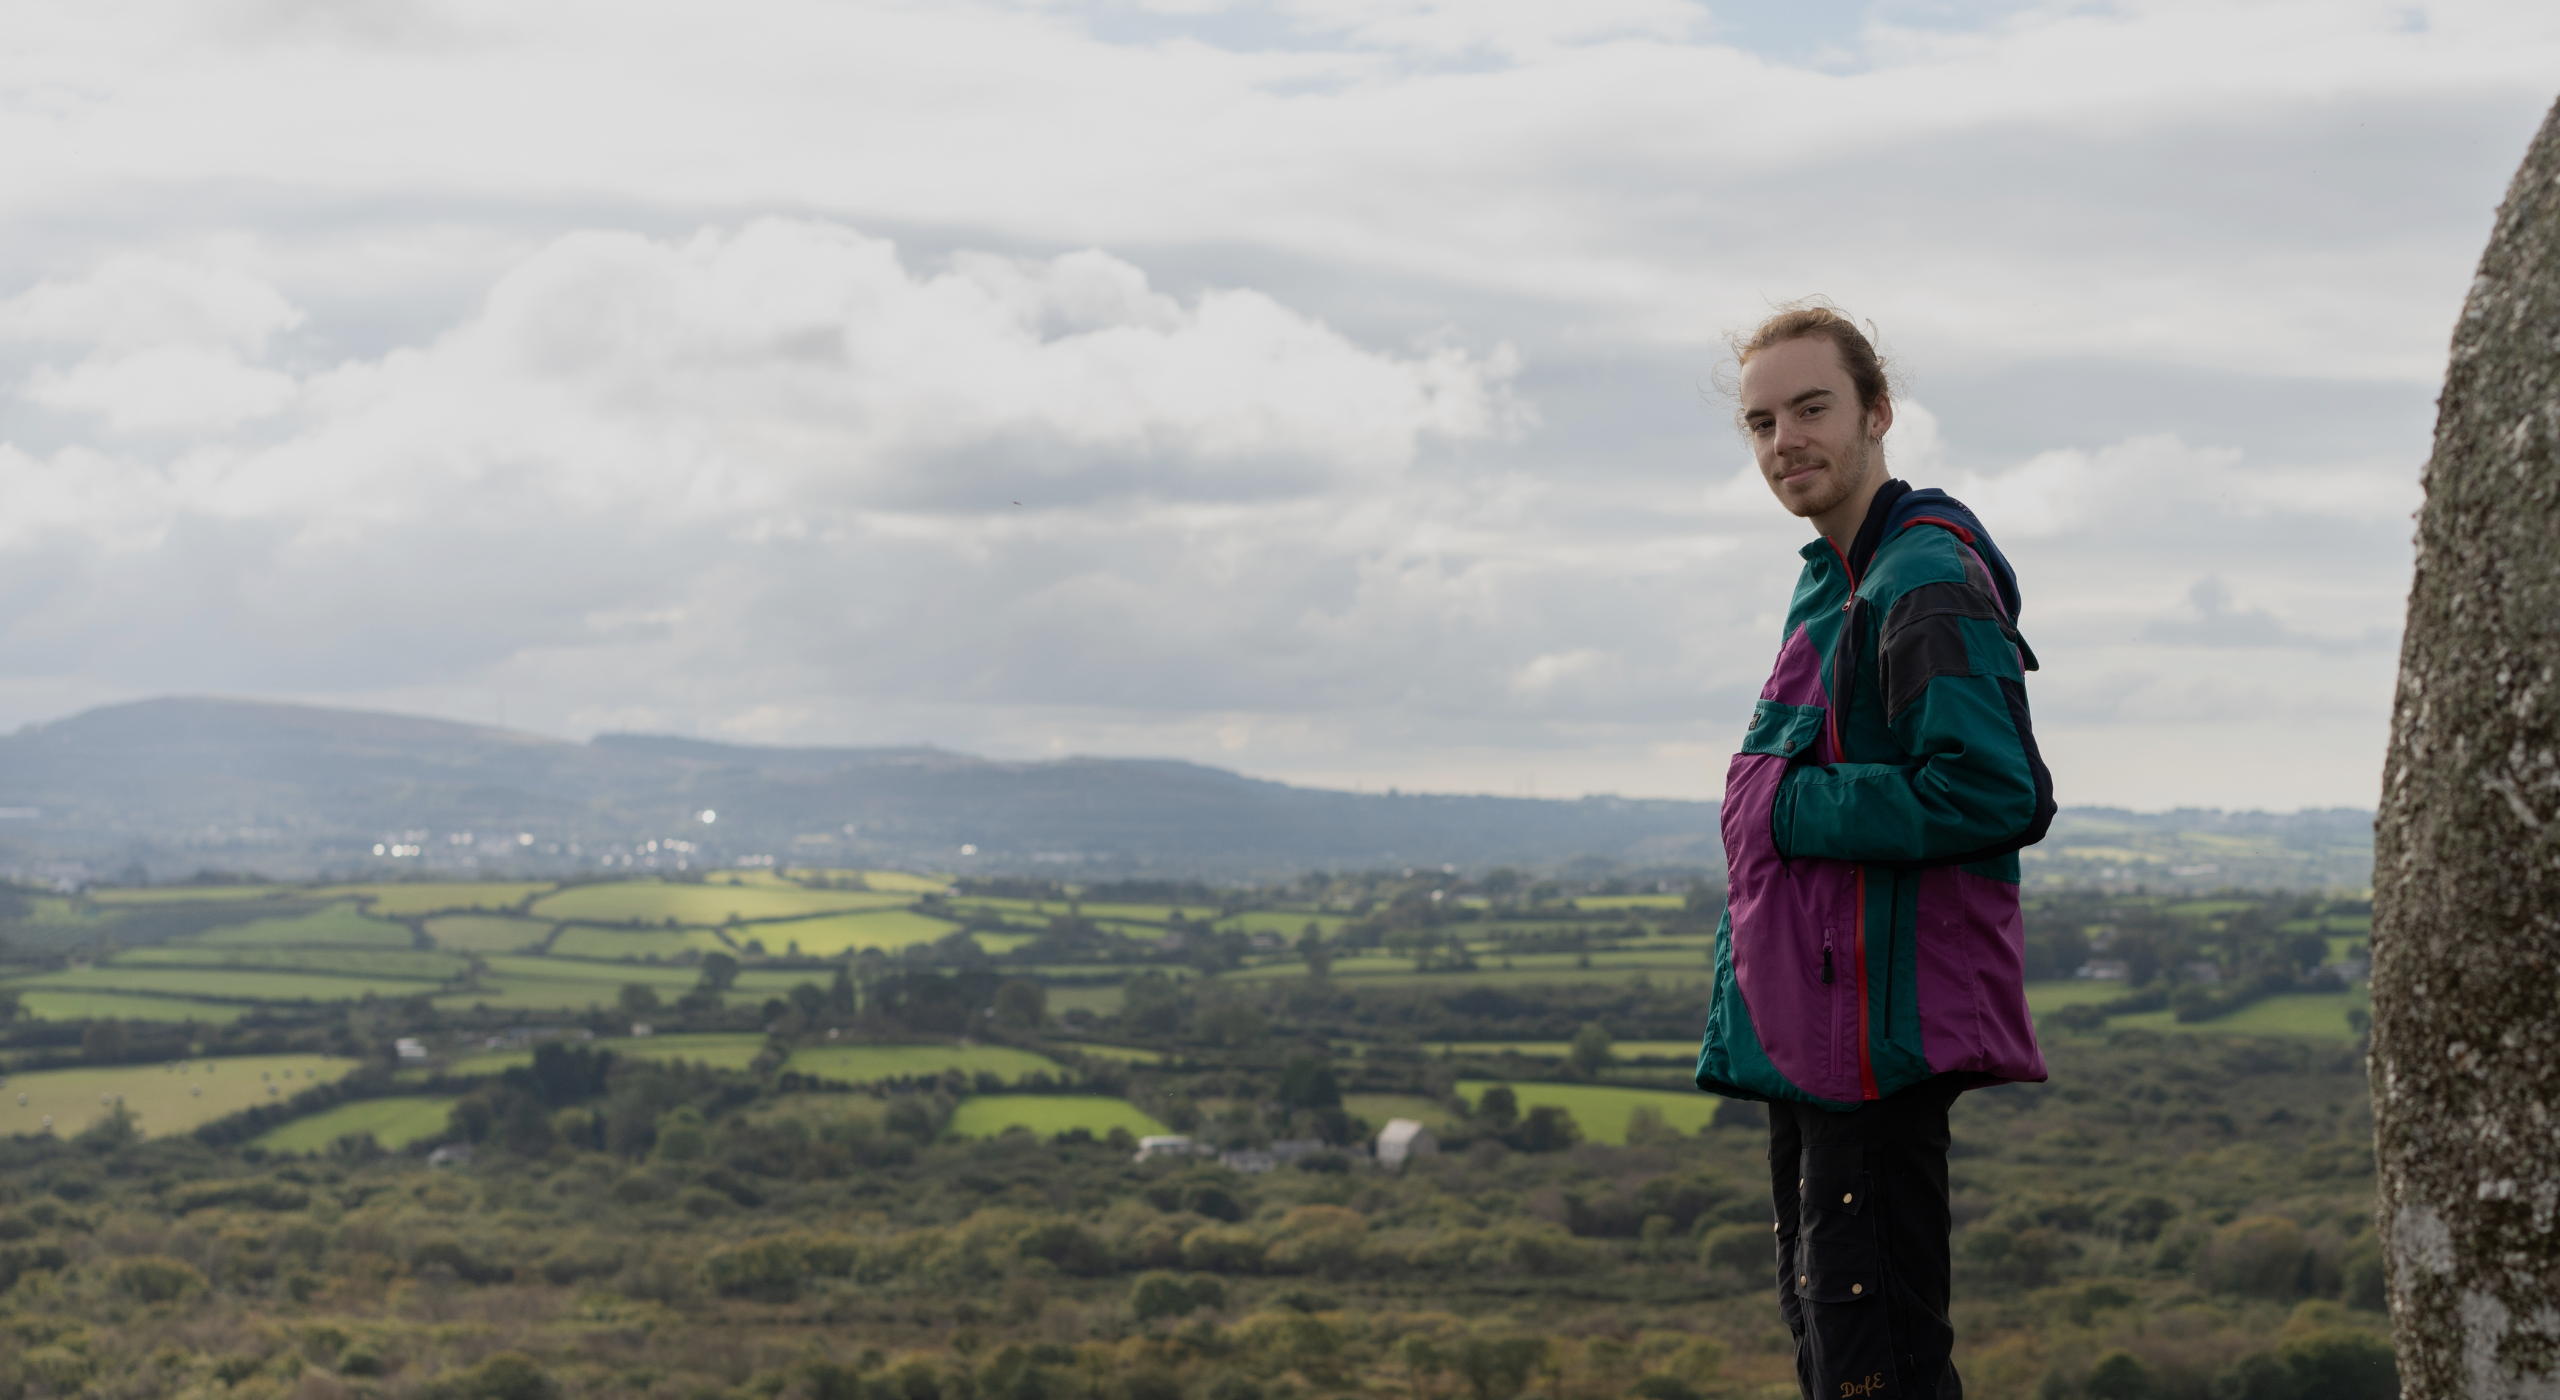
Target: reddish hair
(1817,318)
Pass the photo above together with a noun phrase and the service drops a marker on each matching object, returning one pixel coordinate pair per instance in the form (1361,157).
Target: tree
(719,970)
(1499,1107)
(1306,1081)
(638,999)
(1023,1003)
(1591,1049)
(2466,933)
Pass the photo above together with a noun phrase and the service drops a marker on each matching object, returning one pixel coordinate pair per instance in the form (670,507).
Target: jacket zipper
(1840,754)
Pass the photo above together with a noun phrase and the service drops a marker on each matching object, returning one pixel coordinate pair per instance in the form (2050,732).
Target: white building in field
(1402,1139)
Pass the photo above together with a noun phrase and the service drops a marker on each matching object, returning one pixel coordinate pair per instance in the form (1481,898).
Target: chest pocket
(1783,731)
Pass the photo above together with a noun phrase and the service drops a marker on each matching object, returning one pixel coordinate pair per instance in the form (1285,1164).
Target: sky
(1322,390)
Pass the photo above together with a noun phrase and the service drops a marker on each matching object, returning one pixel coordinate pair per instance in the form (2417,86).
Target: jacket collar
(1871,531)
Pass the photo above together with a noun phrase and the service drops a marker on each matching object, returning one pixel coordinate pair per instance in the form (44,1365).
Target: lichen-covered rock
(2466,937)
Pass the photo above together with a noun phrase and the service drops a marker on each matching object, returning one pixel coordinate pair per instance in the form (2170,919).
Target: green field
(394,1123)
(1602,1113)
(406,964)
(338,926)
(1286,923)
(555,984)
(887,930)
(735,1050)
(162,1100)
(987,1115)
(1130,1054)
(220,984)
(701,905)
(1631,901)
(108,1006)
(405,900)
(1683,1051)
(188,894)
(863,1064)
(481,933)
(2314,1015)
(1378,1108)
(2043,997)
(616,944)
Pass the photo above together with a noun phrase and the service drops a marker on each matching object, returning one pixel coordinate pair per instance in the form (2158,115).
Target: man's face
(1800,409)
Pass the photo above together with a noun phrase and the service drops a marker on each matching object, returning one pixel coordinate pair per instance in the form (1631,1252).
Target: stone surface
(2466,937)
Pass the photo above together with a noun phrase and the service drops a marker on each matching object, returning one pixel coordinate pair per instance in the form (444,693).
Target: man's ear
(1880,417)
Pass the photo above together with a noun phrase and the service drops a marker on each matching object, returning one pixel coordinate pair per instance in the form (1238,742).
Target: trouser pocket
(1846,1348)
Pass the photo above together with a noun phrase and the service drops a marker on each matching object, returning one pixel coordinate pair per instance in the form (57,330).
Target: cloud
(649,365)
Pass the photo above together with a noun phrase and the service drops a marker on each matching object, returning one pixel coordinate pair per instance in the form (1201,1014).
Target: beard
(1837,484)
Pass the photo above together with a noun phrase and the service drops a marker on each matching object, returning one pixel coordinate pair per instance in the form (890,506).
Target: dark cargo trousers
(1863,1269)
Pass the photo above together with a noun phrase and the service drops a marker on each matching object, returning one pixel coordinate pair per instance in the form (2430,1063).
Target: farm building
(1404,1138)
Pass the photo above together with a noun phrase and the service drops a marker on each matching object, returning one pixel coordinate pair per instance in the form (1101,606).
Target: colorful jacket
(1889,777)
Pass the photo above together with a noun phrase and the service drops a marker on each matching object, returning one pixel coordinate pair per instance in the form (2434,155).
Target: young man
(1870,965)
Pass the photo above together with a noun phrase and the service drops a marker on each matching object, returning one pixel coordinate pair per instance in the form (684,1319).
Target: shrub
(2343,1365)
(155,1279)
(1748,1250)
(2257,1376)
(1224,1249)
(2260,1255)
(1659,1387)
(509,1375)
(1160,1295)
(2117,1376)
(1070,1246)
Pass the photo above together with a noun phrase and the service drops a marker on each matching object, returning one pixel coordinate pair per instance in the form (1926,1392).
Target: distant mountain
(178,785)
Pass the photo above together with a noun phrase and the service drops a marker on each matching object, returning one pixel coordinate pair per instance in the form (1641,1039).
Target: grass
(1101,1001)
(863,1064)
(187,894)
(887,930)
(701,905)
(1631,901)
(223,984)
(405,900)
(1601,1112)
(162,1100)
(108,1006)
(637,944)
(407,964)
(481,933)
(1378,1108)
(554,984)
(1048,1115)
(2312,1015)
(1286,923)
(722,1051)
(394,1123)
(1681,1050)
(1130,1054)
(338,926)
(2053,996)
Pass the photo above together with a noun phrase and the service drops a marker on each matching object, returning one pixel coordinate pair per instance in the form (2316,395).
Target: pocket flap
(1836,1248)
(1785,731)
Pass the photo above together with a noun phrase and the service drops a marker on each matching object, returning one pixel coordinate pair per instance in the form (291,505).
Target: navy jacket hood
(1897,506)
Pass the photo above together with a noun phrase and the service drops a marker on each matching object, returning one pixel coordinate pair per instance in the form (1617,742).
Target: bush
(2260,1255)
(509,1375)
(2257,1376)
(155,1279)
(1223,1249)
(2343,1365)
(1748,1250)
(2118,1376)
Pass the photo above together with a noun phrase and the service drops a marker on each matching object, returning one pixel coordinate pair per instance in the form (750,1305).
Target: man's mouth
(1799,473)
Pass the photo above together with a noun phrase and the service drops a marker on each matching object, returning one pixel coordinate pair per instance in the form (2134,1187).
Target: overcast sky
(1322,389)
